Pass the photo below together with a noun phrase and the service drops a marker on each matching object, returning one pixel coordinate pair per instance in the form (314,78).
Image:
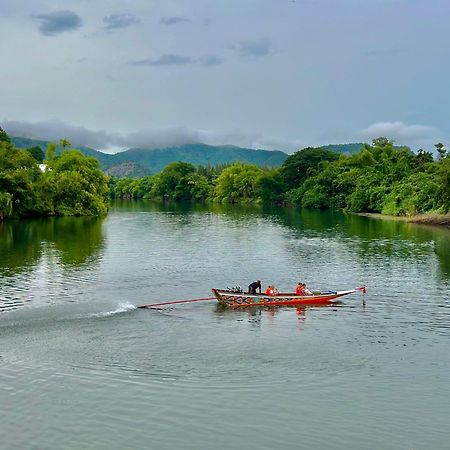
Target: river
(82,368)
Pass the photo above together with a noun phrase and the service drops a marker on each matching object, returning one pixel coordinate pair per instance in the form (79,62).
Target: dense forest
(379,178)
(67,184)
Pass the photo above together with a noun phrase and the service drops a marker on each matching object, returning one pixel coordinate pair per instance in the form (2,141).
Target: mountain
(200,154)
(154,160)
(344,148)
(127,170)
(104,158)
(136,162)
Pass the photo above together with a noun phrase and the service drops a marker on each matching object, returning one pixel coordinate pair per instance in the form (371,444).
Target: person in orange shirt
(301,289)
(271,290)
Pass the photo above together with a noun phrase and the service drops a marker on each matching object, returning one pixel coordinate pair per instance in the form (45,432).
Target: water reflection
(20,246)
(77,240)
(269,314)
(367,236)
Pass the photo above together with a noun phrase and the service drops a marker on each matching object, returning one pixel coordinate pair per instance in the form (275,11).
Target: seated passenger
(301,289)
(271,290)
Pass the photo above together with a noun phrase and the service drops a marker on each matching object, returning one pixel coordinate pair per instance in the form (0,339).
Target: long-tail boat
(234,299)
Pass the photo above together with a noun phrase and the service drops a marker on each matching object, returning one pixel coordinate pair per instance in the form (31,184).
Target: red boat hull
(242,300)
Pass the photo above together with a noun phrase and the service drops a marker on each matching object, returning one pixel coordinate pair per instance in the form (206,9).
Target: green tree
(303,164)
(442,152)
(270,187)
(166,183)
(5,205)
(64,143)
(238,183)
(51,151)
(4,137)
(76,185)
(443,171)
(18,172)
(414,195)
(423,157)
(37,153)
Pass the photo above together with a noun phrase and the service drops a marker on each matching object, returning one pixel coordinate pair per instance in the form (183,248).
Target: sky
(272,74)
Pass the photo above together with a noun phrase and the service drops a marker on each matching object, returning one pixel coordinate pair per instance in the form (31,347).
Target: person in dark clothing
(255,285)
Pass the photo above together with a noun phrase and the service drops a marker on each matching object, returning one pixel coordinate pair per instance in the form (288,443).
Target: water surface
(82,368)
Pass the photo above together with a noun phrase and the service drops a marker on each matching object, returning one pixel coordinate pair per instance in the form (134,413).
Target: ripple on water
(82,364)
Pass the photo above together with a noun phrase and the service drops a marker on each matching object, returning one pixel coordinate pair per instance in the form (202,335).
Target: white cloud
(146,138)
(415,136)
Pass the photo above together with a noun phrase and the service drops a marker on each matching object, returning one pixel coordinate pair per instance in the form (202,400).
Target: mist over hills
(139,161)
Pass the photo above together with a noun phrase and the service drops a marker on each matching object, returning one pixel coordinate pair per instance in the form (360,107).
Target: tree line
(379,178)
(67,184)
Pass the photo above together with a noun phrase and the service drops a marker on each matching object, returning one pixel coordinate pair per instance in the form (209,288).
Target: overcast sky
(277,74)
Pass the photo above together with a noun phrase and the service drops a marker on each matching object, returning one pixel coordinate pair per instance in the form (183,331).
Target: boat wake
(123,307)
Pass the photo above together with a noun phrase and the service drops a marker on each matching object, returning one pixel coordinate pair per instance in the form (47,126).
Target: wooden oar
(173,302)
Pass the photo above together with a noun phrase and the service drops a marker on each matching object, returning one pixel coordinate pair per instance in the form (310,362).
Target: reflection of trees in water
(369,237)
(372,237)
(185,213)
(20,246)
(442,249)
(77,239)
(398,239)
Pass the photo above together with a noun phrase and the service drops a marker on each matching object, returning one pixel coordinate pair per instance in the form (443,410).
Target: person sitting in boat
(301,289)
(254,286)
(271,290)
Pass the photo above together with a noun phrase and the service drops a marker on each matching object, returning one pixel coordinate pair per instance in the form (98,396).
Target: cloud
(415,136)
(173,20)
(179,60)
(122,20)
(255,48)
(57,22)
(165,60)
(211,60)
(175,136)
(53,130)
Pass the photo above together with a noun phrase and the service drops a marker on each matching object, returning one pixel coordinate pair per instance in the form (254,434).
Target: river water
(82,368)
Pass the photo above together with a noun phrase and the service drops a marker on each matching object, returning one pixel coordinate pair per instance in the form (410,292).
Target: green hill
(104,158)
(154,160)
(143,160)
(199,154)
(344,148)
(127,170)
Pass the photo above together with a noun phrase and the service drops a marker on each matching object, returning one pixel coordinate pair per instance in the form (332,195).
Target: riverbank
(424,219)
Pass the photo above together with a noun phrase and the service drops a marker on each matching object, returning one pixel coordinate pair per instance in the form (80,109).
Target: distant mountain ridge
(136,161)
(344,148)
(200,154)
(105,158)
(154,160)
